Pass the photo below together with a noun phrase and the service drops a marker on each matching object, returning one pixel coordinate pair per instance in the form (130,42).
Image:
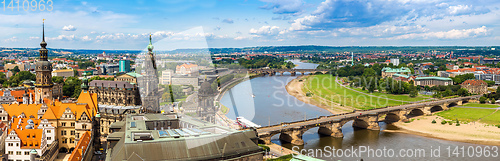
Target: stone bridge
(332,125)
(291,71)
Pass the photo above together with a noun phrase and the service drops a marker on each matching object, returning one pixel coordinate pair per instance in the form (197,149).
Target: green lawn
(466,114)
(480,105)
(493,119)
(391,96)
(324,86)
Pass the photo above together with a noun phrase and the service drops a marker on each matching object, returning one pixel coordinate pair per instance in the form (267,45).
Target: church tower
(149,83)
(43,85)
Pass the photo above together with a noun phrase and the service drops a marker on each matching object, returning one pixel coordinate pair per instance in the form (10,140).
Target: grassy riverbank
(330,94)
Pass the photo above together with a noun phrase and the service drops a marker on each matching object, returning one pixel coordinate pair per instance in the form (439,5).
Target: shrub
(449,123)
(308,94)
(443,122)
(498,126)
(458,124)
(433,121)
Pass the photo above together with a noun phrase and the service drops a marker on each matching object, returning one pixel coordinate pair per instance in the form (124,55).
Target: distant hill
(260,49)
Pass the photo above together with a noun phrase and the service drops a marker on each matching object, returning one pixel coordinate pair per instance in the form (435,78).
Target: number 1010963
(27,5)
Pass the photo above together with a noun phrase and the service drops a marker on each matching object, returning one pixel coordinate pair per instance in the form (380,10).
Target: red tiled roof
(81,147)
(474,82)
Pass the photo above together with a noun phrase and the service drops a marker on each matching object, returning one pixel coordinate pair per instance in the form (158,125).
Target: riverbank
(473,132)
(295,88)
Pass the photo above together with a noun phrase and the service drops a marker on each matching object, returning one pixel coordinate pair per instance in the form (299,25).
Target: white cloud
(266,30)
(451,34)
(62,37)
(69,28)
(459,9)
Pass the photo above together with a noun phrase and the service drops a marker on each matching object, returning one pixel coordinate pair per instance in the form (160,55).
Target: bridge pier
(293,73)
(302,73)
(367,122)
(266,139)
(427,110)
(293,136)
(333,129)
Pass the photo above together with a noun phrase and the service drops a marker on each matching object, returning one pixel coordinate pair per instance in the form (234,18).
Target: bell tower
(43,69)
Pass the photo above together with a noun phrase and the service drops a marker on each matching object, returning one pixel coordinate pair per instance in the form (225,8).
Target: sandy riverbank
(476,133)
(295,88)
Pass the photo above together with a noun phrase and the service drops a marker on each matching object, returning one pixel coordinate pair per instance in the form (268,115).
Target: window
(73,124)
(11,153)
(72,132)
(71,141)
(49,131)
(63,132)
(49,138)
(26,153)
(18,152)
(17,144)
(64,141)
(84,126)
(63,124)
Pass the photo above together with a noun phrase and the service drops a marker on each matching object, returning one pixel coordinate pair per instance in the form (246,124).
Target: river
(272,105)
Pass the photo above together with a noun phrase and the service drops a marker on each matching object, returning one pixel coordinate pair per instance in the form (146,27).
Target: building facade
(117,93)
(206,107)
(475,86)
(124,66)
(433,81)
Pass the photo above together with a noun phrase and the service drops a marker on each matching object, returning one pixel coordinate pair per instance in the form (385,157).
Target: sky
(126,25)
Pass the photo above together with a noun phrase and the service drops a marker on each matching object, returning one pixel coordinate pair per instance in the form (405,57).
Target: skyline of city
(126,25)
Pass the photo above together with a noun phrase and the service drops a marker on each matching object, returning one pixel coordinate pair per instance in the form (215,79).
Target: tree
(482,99)
(58,79)
(463,92)
(15,69)
(492,100)
(369,72)
(71,87)
(461,78)
(490,83)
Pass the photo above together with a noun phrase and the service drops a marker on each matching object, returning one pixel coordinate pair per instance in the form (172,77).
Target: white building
(395,61)
(23,137)
(188,69)
(166,76)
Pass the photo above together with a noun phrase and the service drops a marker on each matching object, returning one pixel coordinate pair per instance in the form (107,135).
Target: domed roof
(150,46)
(206,88)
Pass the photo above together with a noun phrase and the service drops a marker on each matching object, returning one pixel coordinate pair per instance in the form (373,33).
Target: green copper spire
(85,82)
(150,46)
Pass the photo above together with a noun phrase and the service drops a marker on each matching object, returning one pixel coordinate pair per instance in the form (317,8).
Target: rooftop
(437,78)
(192,139)
(396,70)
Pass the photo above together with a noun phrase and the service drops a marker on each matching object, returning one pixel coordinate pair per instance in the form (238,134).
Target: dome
(29,126)
(30,121)
(206,88)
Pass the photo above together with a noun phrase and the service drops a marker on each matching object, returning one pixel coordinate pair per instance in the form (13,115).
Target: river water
(273,105)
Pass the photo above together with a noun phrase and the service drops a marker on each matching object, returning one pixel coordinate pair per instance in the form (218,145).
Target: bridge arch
(360,123)
(391,118)
(436,108)
(452,104)
(415,112)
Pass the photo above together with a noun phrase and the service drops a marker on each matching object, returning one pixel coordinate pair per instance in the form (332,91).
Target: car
(98,152)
